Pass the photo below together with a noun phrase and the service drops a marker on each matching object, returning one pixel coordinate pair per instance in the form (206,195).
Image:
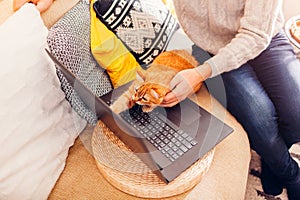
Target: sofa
(81,179)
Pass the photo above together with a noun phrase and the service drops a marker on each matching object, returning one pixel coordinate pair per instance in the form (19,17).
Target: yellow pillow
(110,53)
(127,35)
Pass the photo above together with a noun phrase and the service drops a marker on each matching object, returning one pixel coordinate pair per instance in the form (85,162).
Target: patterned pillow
(69,42)
(145,28)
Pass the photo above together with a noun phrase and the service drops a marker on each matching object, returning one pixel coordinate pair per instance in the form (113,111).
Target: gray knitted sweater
(235,31)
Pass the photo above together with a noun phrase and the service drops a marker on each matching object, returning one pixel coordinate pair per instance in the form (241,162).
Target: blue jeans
(264,96)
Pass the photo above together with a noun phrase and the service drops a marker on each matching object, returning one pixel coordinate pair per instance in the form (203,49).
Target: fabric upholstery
(37,124)
(69,41)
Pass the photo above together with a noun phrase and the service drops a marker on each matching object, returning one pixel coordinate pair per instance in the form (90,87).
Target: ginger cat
(151,85)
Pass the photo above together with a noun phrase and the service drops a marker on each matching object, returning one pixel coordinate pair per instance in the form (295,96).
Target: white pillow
(37,124)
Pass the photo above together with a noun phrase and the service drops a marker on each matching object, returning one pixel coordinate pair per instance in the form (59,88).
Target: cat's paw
(115,109)
(148,108)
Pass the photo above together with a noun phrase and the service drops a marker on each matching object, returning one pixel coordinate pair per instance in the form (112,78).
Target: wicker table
(124,170)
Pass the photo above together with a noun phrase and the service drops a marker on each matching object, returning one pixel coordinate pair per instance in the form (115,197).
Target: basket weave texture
(125,171)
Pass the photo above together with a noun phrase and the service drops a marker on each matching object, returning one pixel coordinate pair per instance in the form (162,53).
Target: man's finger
(170,97)
(175,81)
(43,5)
(169,100)
(182,91)
(17,4)
(169,104)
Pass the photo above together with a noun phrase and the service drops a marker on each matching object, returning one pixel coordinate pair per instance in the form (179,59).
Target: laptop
(167,140)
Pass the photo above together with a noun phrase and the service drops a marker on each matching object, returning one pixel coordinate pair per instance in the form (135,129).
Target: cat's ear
(140,76)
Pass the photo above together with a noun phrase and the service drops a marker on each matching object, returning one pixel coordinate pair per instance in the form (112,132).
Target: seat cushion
(37,124)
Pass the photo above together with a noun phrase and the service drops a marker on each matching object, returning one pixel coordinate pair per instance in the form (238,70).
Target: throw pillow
(37,124)
(129,33)
(69,42)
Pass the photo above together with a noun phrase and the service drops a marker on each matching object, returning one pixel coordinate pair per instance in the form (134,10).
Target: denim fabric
(264,96)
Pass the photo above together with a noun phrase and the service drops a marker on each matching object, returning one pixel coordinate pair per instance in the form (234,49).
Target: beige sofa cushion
(37,124)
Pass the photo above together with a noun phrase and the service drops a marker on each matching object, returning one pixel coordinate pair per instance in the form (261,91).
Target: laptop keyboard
(171,141)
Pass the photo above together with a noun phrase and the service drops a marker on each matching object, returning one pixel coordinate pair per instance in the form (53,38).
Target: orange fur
(176,59)
(152,85)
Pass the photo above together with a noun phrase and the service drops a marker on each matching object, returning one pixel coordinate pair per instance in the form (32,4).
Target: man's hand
(185,83)
(41,5)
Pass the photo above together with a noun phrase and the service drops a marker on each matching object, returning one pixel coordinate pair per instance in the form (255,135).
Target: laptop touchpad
(189,113)
(186,112)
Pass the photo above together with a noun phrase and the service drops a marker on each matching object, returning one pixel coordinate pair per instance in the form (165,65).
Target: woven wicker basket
(125,171)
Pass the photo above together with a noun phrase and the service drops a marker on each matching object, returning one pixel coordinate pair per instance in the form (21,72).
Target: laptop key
(183,148)
(187,144)
(171,141)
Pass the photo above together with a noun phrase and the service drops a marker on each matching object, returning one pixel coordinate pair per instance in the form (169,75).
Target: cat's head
(147,93)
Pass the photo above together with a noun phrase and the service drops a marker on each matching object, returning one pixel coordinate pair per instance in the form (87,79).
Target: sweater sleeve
(254,35)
